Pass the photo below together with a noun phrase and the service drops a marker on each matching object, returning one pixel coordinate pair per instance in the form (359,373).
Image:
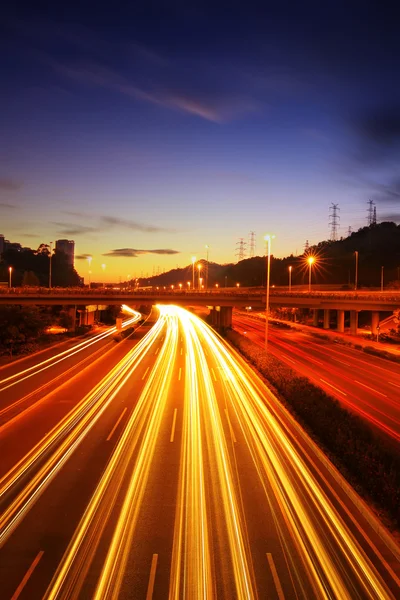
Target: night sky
(146,130)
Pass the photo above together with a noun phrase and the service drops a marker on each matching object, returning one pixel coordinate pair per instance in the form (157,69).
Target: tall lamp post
(310,261)
(268,239)
(9,276)
(50,257)
(199,269)
(103,267)
(356,277)
(207,248)
(290,278)
(89,258)
(193,261)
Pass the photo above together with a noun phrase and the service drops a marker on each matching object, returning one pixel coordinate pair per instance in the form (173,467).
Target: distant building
(68,247)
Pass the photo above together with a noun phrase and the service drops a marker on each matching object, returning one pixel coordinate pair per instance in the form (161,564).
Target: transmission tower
(240,249)
(349,231)
(374,217)
(306,246)
(370,213)
(334,223)
(252,244)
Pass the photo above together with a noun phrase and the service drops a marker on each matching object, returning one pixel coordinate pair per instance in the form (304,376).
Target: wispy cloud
(70,229)
(133,252)
(106,222)
(9,185)
(134,225)
(82,256)
(7,205)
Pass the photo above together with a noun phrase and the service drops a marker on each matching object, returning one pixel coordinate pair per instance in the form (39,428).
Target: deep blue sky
(162,127)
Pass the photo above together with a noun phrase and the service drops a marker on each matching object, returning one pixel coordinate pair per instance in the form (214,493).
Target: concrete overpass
(221,301)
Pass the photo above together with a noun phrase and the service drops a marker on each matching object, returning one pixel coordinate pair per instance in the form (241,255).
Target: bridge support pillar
(327,316)
(83,313)
(340,321)
(226,317)
(315,317)
(72,314)
(353,322)
(374,322)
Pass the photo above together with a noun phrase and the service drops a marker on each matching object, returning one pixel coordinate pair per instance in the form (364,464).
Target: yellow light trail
(311,517)
(20,376)
(65,437)
(140,433)
(322,554)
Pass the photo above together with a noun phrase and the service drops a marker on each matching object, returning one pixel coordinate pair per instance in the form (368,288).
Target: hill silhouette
(377,245)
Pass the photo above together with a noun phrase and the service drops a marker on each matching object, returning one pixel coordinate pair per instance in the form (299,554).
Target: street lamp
(193,261)
(188,284)
(310,261)
(238,285)
(180,287)
(199,269)
(89,258)
(268,239)
(356,277)
(207,248)
(290,278)
(9,276)
(51,252)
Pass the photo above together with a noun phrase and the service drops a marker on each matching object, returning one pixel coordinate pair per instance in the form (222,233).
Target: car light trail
(140,432)
(53,360)
(212,552)
(64,438)
(307,511)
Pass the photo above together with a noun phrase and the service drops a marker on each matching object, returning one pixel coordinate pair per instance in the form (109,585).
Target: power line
(334,223)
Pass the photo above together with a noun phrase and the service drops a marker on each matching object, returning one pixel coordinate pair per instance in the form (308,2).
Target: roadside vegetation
(369,462)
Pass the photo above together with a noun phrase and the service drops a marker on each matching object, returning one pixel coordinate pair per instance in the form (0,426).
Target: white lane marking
(145,373)
(343,362)
(180,373)
(230,426)
(181,351)
(274,572)
(153,568)
(289,359)
(156,352)
(171,439)
(213,374)
(116,425)
(332,386)
(27,575)
(370,388)
(396,384)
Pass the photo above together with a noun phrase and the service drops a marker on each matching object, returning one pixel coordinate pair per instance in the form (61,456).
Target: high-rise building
(68,247)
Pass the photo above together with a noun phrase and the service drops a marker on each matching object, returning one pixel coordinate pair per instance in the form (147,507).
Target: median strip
(27,576)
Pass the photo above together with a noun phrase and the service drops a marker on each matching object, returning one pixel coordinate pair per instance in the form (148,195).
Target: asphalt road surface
(366,384)
(179,475)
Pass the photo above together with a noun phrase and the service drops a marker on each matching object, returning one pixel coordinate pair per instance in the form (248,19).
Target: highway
(179,475)
(368,385)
